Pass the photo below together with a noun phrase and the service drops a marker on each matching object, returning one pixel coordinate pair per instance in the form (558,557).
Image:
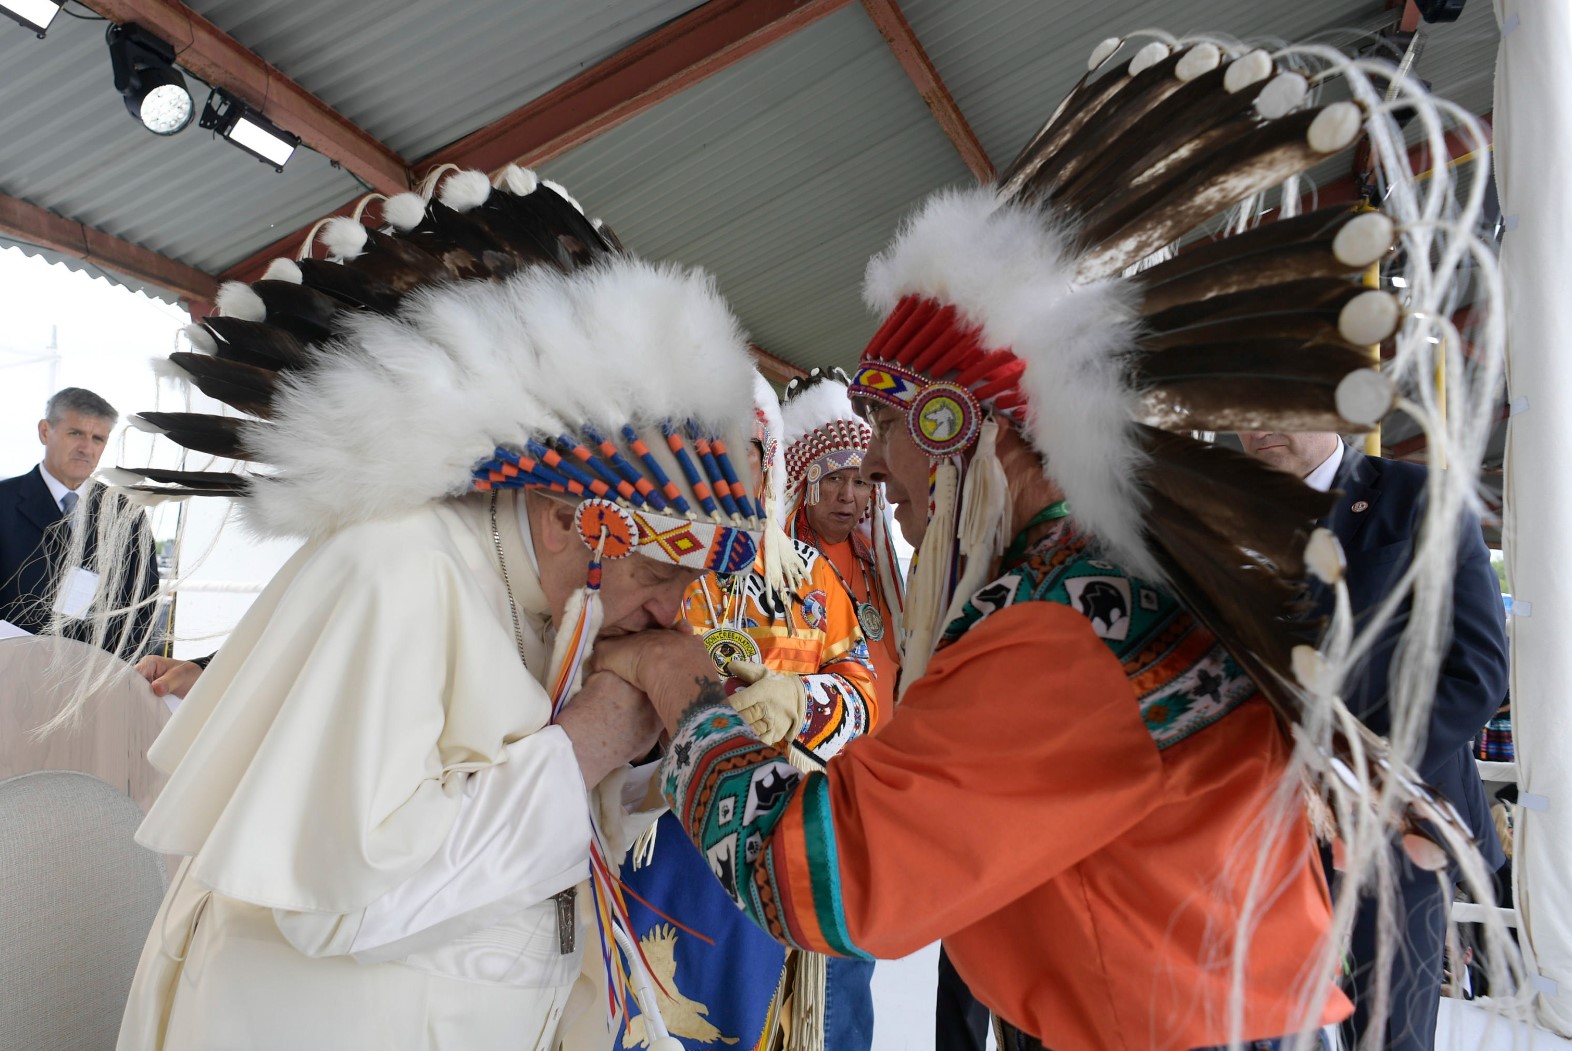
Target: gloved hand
(773,704)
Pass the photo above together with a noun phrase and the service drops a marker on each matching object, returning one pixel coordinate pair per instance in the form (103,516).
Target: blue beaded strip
(689,470)
(720,485)
(678,502)
(620,464)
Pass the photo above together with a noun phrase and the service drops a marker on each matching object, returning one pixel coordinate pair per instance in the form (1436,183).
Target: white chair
(77,898)
(119,722)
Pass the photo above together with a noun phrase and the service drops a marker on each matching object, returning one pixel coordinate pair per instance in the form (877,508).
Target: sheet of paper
(11,631)
(76,592)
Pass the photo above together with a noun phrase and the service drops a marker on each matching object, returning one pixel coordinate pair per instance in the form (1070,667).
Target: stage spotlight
(34,14)
(248,129)
(145,75)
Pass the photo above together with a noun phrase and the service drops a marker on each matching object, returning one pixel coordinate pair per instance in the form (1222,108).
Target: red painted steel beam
(39,226)
(250,268)
(217,58)
(777,370)
(676,56)
(1345,190)
(1412,446)
(908,50)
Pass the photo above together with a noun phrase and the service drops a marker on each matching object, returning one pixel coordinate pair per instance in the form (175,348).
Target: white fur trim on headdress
(558,189)
(822,403)
(416,400)
(343,237)
(167,371)
(1009,270)
(521,182)
(283,270)
(200,338)
(236,299)
(404,211)
(784,569)
(465,191)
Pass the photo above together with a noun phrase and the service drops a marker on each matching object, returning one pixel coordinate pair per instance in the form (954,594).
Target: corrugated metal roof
(420,75)
(1009,62)
(79,266)
(68,144)
(781,175)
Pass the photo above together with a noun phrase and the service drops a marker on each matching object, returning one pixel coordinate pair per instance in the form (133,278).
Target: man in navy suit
(37,510)
(1376,518)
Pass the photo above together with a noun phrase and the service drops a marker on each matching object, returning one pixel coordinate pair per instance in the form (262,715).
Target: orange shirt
(1086,884)
(816,637)
(883,652)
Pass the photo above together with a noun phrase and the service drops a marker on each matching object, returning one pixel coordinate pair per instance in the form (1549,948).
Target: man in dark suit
(1376,518)
(38,511)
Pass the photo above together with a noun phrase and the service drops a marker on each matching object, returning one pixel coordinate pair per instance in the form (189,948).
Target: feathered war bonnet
(825,433)
(784,569)
(1020,302)
(485,337)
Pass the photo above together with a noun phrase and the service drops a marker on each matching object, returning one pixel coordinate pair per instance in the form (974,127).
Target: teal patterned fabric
(1184,677)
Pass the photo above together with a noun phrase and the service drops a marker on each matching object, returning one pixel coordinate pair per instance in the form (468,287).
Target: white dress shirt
(58,489)
(1321,478)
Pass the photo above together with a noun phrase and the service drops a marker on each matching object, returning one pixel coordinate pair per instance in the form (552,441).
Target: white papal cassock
(375,810)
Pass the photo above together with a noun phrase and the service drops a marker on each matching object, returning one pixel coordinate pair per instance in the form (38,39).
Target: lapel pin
(1360,505)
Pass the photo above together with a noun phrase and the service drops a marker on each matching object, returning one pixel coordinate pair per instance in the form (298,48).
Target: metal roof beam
(39,226)
(908,50)
(217,58)
(776,370)
(674,57)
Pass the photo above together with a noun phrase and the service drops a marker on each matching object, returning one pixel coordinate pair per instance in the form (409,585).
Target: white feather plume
(558,189)
(404,211)
(465,191)
(1008,270)
(168,372)
(818,405)
(784,568)
(236,299)
(343,237)
(481,364)
(520,182)
(200,338)
(283,270)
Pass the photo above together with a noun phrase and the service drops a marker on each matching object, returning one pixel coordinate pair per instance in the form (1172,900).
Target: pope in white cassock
(501,436)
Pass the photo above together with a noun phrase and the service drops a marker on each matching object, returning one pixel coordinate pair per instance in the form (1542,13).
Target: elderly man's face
(843,500)
(1295,454)
(636,593)
(73,445)
(894,459)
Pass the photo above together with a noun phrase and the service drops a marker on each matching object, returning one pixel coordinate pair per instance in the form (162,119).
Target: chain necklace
(869,619)
(725,641)
(513,606)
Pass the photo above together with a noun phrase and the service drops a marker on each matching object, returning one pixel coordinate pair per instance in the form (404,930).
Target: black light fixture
(146,76)
(34,14)
(248,129)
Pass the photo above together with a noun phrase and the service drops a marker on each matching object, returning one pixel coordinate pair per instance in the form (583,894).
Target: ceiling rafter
(676,56)
(776,369)
(39,226)
(680,54)
(908,50)
(214,56)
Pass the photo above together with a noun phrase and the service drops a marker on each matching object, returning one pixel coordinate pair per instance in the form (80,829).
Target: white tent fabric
(1533,154)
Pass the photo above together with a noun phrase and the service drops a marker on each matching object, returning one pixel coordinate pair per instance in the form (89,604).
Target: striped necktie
(68,503)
